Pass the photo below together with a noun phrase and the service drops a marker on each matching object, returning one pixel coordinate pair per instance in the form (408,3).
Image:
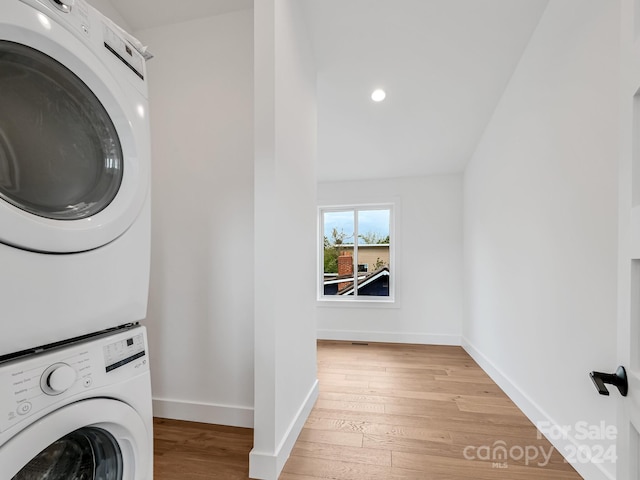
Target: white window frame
(356,299)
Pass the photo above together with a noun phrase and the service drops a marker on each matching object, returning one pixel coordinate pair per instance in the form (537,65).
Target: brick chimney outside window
(345,267)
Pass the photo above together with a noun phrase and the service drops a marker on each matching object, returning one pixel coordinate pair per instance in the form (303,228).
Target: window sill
(336,303)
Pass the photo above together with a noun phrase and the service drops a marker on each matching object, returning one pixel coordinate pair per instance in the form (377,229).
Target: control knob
(57,378)
(64,5)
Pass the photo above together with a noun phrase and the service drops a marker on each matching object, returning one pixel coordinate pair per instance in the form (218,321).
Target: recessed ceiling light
(378,95)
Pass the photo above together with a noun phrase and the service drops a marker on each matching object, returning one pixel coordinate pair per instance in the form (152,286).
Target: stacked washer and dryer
(75,395)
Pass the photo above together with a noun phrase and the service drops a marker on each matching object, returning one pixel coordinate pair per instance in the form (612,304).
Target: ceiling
(443,63)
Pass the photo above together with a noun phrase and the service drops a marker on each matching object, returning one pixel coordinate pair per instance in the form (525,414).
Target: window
(356,252)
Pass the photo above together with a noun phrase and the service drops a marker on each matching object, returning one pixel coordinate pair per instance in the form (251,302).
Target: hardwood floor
(412,412)
(200,451)
(384,412)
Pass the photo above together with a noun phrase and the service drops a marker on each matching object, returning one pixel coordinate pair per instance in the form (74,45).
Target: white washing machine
(78,412)
(74,174)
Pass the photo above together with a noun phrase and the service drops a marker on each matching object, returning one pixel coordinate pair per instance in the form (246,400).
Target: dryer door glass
(87,454)
(60,155)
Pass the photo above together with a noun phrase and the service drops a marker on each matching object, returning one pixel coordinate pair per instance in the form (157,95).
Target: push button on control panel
(24,408)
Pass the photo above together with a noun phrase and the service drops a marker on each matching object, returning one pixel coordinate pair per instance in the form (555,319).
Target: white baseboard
(588,471)
(389,337)
(232,416)
(267,465)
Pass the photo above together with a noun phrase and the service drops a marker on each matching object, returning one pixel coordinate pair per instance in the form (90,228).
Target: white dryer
(81,411)
(74,174)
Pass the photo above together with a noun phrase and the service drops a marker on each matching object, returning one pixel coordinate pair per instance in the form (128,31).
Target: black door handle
(619,379)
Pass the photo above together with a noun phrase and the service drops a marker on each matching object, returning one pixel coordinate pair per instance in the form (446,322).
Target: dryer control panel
(75,17)
(123,51)
(43,382)
(93,28)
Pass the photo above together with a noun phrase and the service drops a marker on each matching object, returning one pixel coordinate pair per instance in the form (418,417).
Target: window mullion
(322,255)
(355,252)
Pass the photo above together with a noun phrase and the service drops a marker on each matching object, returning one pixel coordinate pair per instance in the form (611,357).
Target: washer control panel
(123,352)
(41,381)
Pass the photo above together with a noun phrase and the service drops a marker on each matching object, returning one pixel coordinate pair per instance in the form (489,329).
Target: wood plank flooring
(388,411)
(385,411)
(200,451)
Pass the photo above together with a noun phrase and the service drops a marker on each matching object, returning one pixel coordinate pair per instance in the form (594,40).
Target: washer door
(95,439)
(73,146)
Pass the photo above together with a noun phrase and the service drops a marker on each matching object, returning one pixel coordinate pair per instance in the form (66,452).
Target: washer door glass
(60,156)
(89,453)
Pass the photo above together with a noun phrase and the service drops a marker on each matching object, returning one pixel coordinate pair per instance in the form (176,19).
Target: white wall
(540,224)
(285,194)
(201,295)
(428,307)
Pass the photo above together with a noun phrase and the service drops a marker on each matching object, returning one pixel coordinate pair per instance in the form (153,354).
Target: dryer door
(73,145)
(60,154)
(95,439)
